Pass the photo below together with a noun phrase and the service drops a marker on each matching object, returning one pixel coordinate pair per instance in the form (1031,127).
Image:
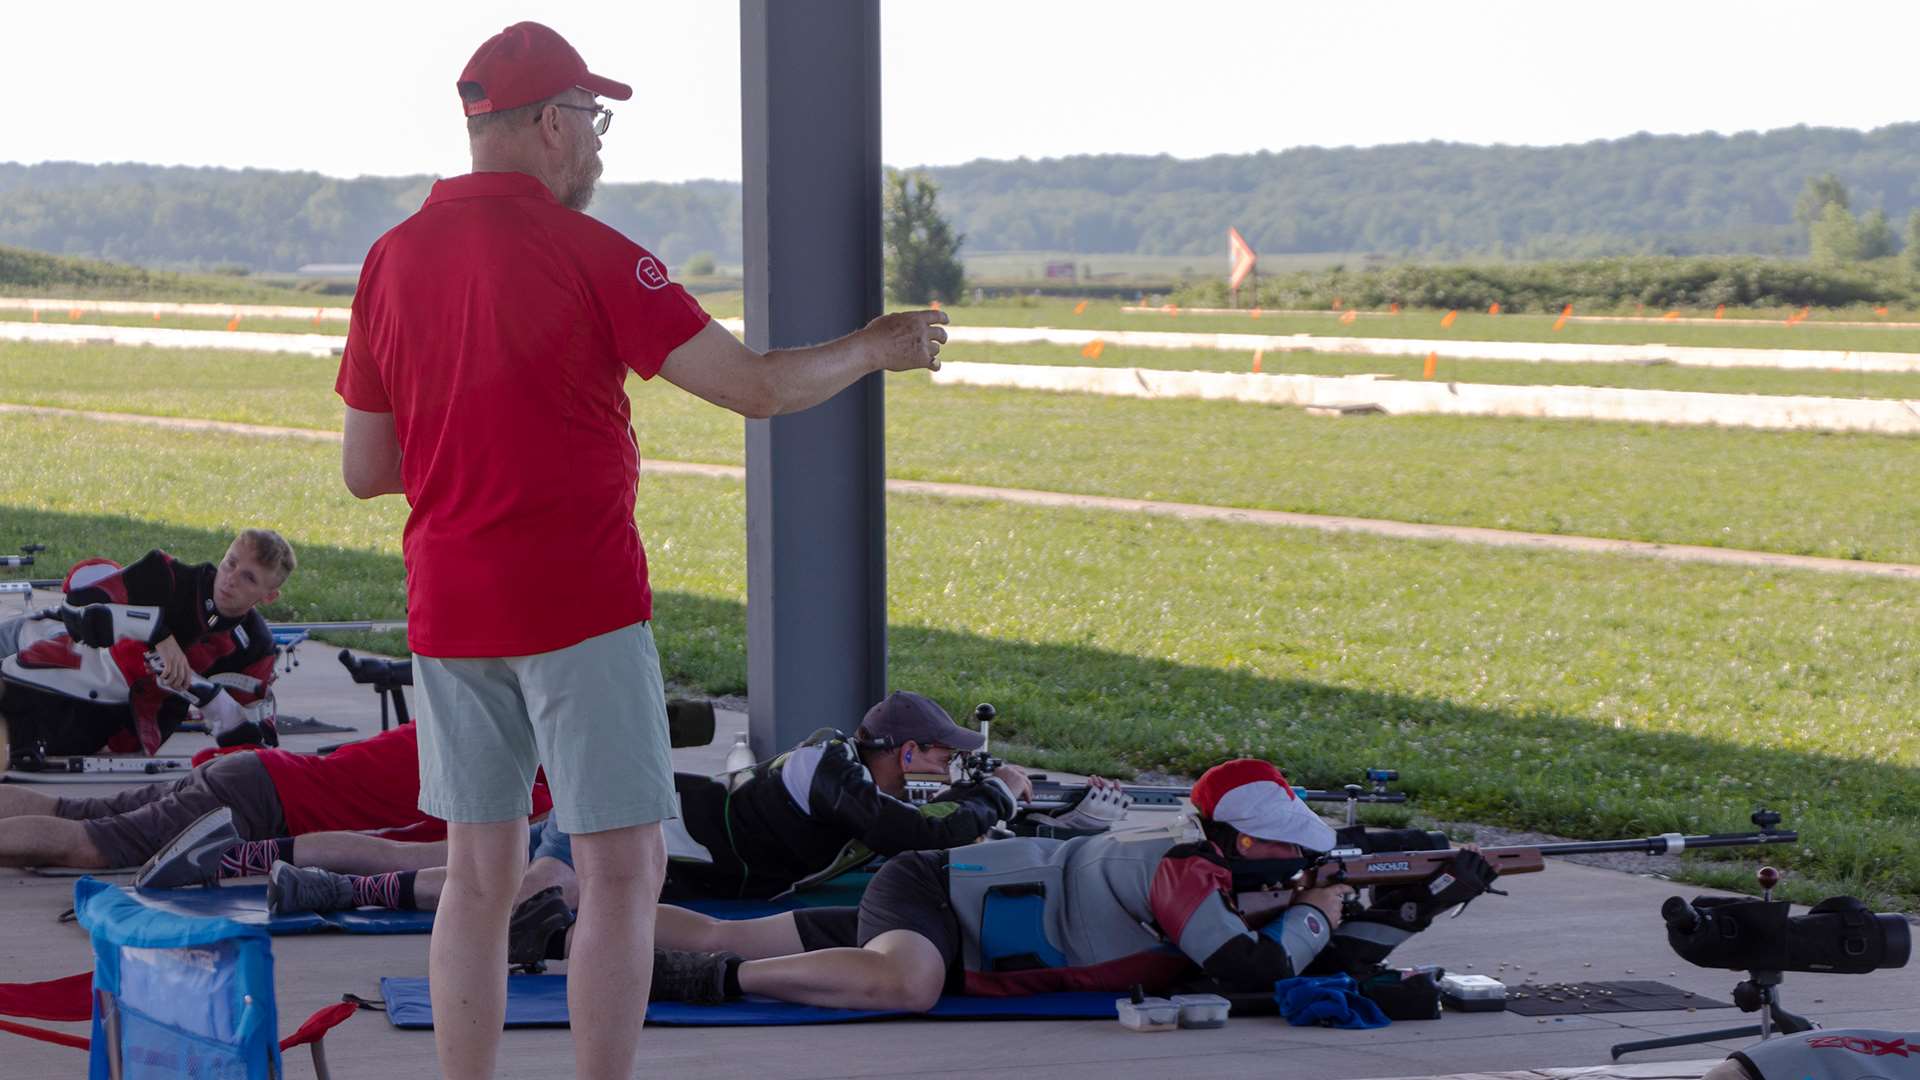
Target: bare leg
(467,960)
(16,801)
(611,971)
(358,853)
(47,841)
(899,969)
(755,939)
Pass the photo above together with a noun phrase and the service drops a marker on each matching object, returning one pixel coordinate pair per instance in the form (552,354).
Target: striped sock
(253,858)
(391,890)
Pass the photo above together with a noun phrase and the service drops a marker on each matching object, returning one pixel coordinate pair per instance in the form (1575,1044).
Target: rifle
(1349,866)
(977,765)
(1052,793)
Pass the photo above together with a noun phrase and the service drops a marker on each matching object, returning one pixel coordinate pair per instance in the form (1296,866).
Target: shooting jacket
(1844,1054)
(1145,906)
(78,698)
(814,812)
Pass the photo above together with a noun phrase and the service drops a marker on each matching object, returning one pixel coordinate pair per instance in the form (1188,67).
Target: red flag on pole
(1240,253)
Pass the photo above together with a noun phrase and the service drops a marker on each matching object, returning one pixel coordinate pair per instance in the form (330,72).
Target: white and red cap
(525,63)
(87,572)
(1254,798)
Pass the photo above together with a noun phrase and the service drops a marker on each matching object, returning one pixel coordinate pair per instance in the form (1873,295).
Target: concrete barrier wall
(1517,351)
(156,307)
(169,338)
(1458,399)
(1521,351)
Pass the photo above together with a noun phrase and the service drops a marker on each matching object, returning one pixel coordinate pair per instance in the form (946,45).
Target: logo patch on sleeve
(649,273)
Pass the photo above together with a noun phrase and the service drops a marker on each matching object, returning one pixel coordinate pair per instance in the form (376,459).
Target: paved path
(1570,924)
(1399,530)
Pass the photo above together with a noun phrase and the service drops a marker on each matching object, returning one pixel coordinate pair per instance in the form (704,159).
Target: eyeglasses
(602,116)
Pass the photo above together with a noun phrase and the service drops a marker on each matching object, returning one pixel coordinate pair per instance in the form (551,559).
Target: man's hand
(1014,776)
(1330,899)
(172,670)
(908,340)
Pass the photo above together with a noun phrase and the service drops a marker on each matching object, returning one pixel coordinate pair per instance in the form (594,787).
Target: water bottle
(739,766)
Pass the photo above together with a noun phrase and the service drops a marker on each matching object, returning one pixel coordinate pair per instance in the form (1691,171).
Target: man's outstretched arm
(715,366)
(370,455)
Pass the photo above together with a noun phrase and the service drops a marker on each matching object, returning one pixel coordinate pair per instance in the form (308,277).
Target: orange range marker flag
(1241,260)
(1446,321)
(1349,316)
(1493,308)
(1565,314)
(1093,349)
(1256,360)
(1433,361)
(1080,308)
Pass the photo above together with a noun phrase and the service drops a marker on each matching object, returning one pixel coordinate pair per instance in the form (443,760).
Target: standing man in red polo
(492,333)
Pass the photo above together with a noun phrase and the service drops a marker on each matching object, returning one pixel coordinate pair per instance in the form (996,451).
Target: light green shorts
(594,714)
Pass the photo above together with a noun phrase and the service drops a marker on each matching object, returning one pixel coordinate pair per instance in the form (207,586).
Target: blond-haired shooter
(63,696)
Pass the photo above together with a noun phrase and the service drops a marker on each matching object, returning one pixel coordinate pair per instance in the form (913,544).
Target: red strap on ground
(318,1025)
(70,998)
(78,1042)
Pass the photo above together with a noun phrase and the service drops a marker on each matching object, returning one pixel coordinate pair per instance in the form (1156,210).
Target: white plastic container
(1202,1010)
(739,763)
(1148,1014)
(1473,993)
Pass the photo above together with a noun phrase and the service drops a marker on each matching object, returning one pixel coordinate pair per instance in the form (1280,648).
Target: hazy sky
(353,87)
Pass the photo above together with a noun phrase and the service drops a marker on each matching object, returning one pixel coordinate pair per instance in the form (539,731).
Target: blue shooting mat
(541,1001)
(247,905)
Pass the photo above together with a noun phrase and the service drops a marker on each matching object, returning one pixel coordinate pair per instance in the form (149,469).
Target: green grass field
(1590,696)
(1793,492)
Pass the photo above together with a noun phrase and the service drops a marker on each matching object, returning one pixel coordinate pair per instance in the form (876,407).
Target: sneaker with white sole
(292,890)
(193,857)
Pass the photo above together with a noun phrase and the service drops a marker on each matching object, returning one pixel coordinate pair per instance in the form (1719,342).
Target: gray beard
(580,194)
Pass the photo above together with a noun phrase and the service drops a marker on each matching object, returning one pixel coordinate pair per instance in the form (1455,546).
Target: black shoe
(698,978)
(537,932)
(193,857)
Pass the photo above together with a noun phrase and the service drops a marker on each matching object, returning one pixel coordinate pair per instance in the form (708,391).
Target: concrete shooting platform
(1570,924)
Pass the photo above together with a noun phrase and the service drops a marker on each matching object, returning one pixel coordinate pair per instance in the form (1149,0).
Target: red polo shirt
(498,327)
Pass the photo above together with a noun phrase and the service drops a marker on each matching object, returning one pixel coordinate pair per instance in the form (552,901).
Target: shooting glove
(233,724)
(1413,907)
(1096,810)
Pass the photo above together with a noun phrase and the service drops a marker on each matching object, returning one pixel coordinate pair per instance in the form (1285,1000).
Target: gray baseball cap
(909,717)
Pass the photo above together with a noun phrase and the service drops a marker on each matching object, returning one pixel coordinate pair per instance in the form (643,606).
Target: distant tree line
(1646,194)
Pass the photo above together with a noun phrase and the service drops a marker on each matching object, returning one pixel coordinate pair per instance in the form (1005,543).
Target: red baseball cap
(1253,797)
(525,63)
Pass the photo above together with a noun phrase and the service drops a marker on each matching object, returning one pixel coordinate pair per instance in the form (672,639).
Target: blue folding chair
(176,996)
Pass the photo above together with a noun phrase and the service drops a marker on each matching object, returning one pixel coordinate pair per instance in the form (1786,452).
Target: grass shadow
(1088,709)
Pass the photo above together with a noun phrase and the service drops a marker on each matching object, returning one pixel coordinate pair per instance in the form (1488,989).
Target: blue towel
(1331,1000)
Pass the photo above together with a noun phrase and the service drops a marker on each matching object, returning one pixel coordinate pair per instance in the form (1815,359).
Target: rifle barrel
(1047,791)
(1668,843)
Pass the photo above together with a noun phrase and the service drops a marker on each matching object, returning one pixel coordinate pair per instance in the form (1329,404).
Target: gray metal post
(816,482)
